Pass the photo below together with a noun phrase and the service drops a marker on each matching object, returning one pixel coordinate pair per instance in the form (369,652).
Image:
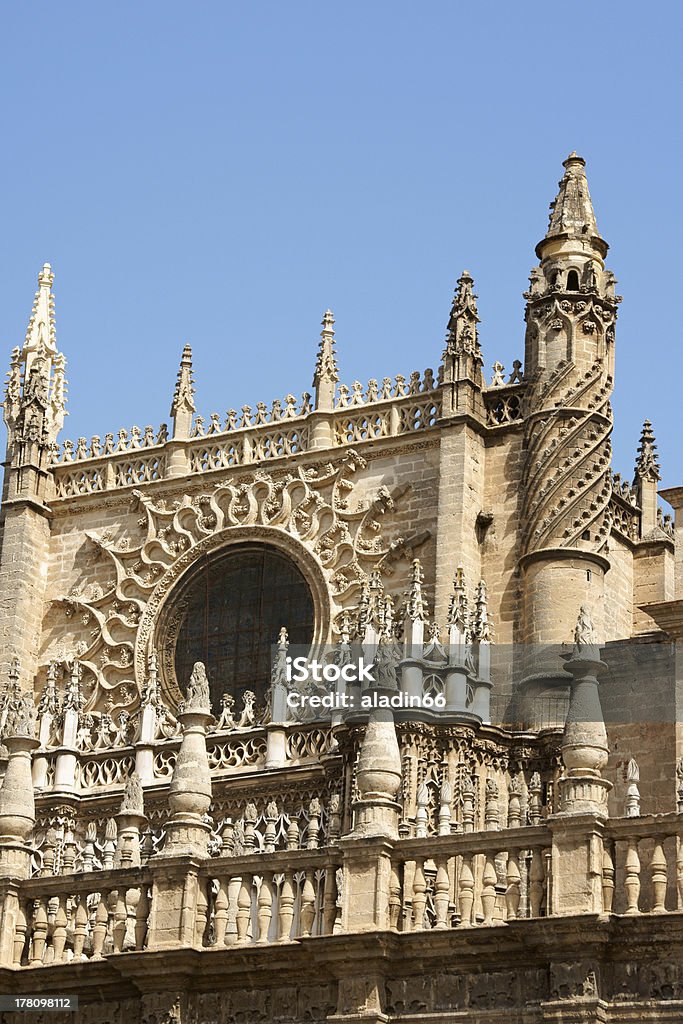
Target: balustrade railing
(64,918)
(470,880)
(272,898)
(642,868)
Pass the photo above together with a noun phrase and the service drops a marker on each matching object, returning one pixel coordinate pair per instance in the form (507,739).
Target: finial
(462,324)
(183,405)
(133,801)
(415,605)
(41,336)
(482,624)
(326,374)
(647,460)
(458,612)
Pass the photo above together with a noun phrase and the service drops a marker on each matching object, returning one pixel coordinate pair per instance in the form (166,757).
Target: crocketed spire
(183,405)
(647,460)
(326,374)
(462,324)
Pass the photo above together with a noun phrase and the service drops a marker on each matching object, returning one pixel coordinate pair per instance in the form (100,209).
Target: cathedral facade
(486,827)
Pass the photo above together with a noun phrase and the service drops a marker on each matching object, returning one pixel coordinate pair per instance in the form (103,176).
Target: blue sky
(220,173)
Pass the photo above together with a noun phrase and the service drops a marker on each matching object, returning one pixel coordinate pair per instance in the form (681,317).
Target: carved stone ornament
(309,513)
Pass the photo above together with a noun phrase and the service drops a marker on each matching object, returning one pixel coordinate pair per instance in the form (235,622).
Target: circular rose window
(233,608)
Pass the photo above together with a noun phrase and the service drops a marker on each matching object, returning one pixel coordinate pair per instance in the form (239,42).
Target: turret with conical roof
(570,315)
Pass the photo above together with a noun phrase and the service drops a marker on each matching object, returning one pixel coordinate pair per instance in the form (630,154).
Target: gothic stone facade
(507,859)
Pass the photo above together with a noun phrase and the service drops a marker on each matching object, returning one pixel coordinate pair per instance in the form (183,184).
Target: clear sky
(220,173)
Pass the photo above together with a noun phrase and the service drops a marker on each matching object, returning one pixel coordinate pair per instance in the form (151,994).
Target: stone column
(190,790)
(130,821)
(584,744)
(577,829)
(17,816)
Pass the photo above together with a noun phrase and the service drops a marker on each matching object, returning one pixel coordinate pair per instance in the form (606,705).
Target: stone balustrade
(255,897)
(80,917)
(379,411)
(642,870)
(278,898)
(469,880)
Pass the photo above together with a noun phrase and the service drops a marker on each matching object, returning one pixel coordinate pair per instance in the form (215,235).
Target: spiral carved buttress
(566,479)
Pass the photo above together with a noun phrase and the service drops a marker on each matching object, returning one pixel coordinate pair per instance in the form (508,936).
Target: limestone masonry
(189,836)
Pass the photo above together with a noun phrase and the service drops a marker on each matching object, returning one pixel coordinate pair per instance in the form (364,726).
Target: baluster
(250,818)
(20,930)
(293,835)
(513,892)
(244,909)
(80,927)
(536,881)
(59,932)
(117,901)
(307,913)
(632,879)
(394,897)
(421,812)
(270,833)
(607,879)
(99,931)
(141,915)
(515,791)
(659,876)
(39,930)
(488,893)
(49,853)
(286,910)
(465,893)
(419,896)
(233,892)
(330,901)
(441,893)
(109,848)
(535,803)
(679,871)
(445,798)
(313,831)
(220,916)
(265,908)
(202,915)
(407,908)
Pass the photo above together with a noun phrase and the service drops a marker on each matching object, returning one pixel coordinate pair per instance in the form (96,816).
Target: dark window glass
(235,607)
(572,281)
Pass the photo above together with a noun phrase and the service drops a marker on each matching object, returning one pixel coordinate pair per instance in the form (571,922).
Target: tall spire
(35,393)
(326,374)
(572,218)
(41,335)
(183,405)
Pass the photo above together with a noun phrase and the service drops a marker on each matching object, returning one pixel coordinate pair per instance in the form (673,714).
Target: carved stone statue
(198,698)
(133,800)
(584,634)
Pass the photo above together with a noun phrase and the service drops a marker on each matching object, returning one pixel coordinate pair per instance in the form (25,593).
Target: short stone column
(584,744)
(187,832)
(130,822)
(577,828)
(17,815)
(378,776)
